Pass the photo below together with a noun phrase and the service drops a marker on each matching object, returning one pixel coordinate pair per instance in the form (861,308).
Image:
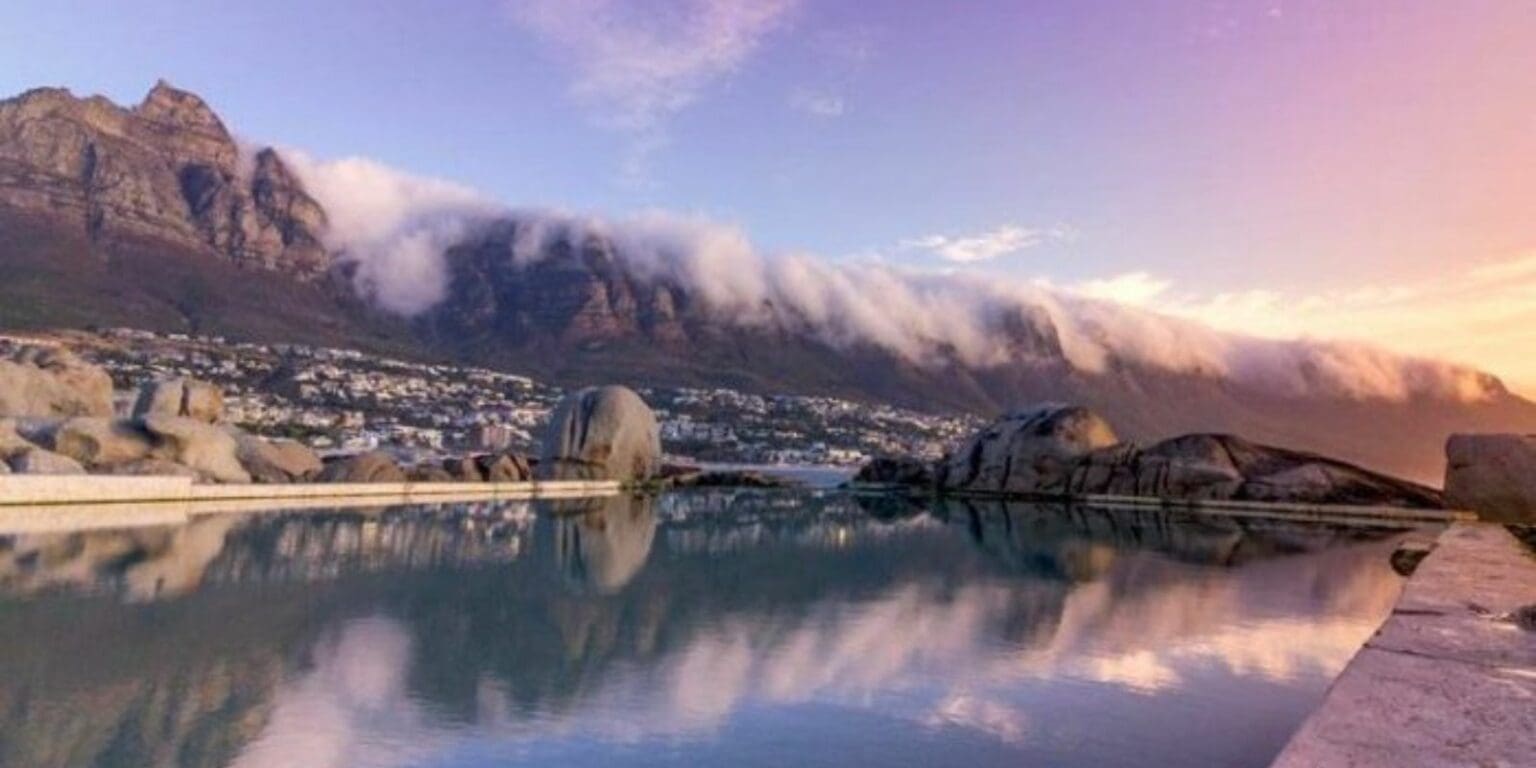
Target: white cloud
(637,64)
(1482,316)
(1137,289)
(984,246)
(394,226)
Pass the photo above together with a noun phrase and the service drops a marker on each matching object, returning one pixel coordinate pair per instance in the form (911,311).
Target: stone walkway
(1449,679)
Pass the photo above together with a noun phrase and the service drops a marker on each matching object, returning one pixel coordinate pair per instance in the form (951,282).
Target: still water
(704,628)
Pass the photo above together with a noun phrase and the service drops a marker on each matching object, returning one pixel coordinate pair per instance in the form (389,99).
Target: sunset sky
(1345,169)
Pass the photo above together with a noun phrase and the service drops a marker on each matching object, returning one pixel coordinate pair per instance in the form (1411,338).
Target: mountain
(153,216)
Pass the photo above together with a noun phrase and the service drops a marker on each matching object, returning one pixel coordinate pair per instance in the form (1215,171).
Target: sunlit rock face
(165,170)
(1493,475)
(45,382)
(389,636)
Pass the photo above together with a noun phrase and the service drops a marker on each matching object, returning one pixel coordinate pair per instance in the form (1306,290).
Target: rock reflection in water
(469,635)
(602,543)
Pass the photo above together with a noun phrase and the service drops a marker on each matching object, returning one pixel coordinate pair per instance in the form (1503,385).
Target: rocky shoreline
(57,418)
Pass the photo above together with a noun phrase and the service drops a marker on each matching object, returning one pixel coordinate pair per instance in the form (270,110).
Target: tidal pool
(701,628)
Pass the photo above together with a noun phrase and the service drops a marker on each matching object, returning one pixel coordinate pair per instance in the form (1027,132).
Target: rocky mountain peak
(166,170)
(183,110)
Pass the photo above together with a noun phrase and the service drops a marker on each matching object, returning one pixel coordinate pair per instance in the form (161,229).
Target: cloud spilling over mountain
(396,228)
(393,226)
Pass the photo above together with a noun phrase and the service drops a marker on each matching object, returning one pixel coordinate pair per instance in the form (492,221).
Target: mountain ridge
(154,216)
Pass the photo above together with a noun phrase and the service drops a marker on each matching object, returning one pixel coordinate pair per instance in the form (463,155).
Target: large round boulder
(210,450)
(1027,451)
(601,433)
(49,382)
(188,398)
(1493,475)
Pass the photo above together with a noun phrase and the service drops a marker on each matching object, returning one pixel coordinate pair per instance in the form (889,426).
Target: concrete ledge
(1449,679)
(98,489)
(89,489)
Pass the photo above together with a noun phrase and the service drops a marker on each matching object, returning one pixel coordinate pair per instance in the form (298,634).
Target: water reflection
(700,628)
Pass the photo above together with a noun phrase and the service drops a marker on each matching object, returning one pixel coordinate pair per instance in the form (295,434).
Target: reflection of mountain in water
(683,611)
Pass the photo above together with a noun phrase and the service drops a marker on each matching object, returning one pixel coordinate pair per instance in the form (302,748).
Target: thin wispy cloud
(983,246)
(636,65)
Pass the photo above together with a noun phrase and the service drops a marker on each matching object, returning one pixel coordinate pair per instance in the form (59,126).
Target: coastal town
(348,401)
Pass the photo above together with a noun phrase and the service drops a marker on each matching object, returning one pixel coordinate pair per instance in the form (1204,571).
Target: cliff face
(166,170)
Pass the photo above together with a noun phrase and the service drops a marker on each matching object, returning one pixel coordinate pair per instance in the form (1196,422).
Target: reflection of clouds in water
(950,651)
(1199,619)
(350,710)
(963,710)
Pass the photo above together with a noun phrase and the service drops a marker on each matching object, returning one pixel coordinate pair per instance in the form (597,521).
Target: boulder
(1493,475)
(53,383)
(11,441)
(276,461)
(1056,450)
(1027,450)
(504,468)
(896,470)
(464,469)
(98,442)
(199,445)
(153,466)
(373,467)
(188,398)
(601,433)
(429,473)
(37,461)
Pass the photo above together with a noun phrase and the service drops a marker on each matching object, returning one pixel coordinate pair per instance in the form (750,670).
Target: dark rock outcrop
(373,467)
(1027,449)
(504,468)
(896,470)
(1493,475)
(1070,451)
(429,473)
(601,433)
(166,170)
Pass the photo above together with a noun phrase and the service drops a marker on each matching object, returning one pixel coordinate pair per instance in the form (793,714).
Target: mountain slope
(154,217)
(578,312)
